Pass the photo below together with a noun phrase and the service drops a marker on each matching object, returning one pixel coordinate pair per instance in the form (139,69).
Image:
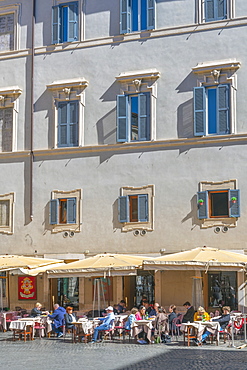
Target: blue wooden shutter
(143,117)
(202,209)
(56,24)
(234,208)
(223,109)
(150,14)
(72,123)
(122,118)
(54,211)
(125,15)
(199,111)
(209,10)
(123,209)
(62,124)
(71,210)
(72,22)
(221,9)
(143,208)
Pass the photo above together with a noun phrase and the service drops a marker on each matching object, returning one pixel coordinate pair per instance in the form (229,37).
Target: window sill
(213,222)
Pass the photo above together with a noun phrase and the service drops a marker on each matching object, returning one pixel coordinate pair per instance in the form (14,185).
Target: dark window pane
(133,202)
(219,204)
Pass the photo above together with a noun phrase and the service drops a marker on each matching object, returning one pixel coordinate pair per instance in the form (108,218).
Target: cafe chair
(26,332)
(40,328)
(9,317)
(176,326)
(225,333)
(109,332)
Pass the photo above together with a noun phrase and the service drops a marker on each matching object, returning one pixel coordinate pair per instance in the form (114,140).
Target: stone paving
(56,353)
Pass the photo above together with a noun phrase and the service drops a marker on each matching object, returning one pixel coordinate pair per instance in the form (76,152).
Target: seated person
(189,316)
(140,315)
(147,306)
(69,317)
(201,315)
(223,320)
(161,323)
(121,307)
(131,318)
(58,319)
(107,323)
(171,316)
(154,311)
(36,311)
(115,309)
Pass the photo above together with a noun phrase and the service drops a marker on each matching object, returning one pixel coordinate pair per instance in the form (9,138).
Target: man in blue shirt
(107,323)
(58,319)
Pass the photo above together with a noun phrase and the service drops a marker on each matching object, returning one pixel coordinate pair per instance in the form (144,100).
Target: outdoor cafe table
(199,327)
(17,325)
(83,327)
(142,325)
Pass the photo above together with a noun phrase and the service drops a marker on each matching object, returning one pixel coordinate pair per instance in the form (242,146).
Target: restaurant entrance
(68,292)
(222,289)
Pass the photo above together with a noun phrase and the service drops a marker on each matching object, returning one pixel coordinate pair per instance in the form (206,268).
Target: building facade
(123,129)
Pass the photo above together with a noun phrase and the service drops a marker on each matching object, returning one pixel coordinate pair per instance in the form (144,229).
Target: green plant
(200,201)
(233,198)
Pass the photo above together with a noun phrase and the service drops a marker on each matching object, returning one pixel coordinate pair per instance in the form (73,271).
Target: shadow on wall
(185,125)
(44,103)
(46,224)
(115,223)
(106,128)
(192,214)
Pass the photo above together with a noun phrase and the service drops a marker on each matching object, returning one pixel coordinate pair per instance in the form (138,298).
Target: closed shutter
(223,109)
(150,14)
(54,212)
(209,10)
(71,210)
(234,208)
(199,111)
(73,123)
(143,208)
(72,22)
(6,129)
(62,124)
(125,15)
(143,117)
(221,9)
(123,209)
(122,118)
(202,208)
(4,212)
(56,24)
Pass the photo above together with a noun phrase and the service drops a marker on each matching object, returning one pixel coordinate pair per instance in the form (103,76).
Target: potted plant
(200,202)
(233,199)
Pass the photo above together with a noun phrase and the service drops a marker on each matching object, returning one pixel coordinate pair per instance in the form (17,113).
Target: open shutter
(71,210)
(199,111)
(223,109)
(210,10)
(202,207)
(122,118)
(123,209)
(72,22)
(56,24)
(125,11)
(221,9)
(54,211)
(234,208)
(143,208)
(143,117)
(150,14)
(73,123)
(63,124)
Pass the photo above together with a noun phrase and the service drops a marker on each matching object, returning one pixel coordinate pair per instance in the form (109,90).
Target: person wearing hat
(107,323)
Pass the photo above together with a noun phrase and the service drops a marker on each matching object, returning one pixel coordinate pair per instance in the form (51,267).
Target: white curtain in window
(4,212)
(197,292)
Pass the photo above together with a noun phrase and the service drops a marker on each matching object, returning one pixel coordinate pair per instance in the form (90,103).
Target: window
(7,32)
(215,98)
(65,23)
(136,106)
(212,110)
(69,105)
(133,115)
(68,124)
(215,10)
(8,118)
(137,15)
(65,213)
(135,208)
(6,213)
(223,289)
(218,202)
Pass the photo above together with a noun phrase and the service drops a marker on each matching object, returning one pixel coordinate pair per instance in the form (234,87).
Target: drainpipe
(32,113)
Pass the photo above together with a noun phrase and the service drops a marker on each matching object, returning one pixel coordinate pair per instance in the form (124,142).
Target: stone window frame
(200,11)
(7,9)
(9,99)
(69,90)
(10,228)
(146,189)
(145,81)
(218,185)
(77,193)
(214,73)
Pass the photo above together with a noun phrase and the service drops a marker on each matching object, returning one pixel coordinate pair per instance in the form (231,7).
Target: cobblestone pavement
(62,354)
